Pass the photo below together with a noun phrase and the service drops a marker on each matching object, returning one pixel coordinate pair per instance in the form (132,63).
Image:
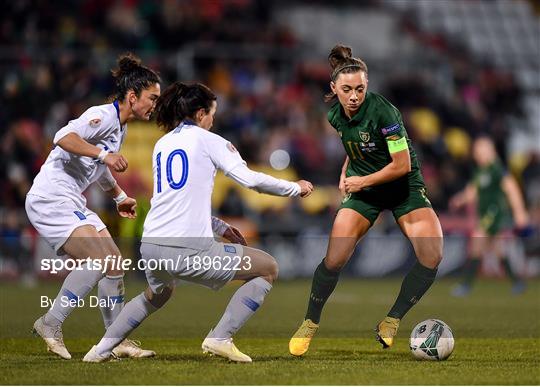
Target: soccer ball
(432,340)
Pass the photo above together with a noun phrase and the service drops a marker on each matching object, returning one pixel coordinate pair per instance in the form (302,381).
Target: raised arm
(264,183)
(225,157)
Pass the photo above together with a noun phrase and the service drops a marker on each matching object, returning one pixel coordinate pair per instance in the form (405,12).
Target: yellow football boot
(386,330)
(299,343)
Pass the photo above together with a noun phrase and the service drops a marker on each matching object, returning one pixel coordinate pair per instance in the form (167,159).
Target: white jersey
(65,174)
(185,162)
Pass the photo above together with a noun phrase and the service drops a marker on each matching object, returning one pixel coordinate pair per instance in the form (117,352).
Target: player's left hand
(354,184)
(127,208)
(233,235)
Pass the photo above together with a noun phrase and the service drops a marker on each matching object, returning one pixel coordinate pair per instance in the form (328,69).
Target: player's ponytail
(131,74)
(339,55)
(181,101)
(342,62)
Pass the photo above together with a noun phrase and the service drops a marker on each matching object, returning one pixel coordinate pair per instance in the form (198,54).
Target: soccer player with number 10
(179,223)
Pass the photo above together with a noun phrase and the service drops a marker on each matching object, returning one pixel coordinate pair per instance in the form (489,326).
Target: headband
(339,69)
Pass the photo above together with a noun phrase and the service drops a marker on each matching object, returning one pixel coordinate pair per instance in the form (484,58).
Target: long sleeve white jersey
(185,162)
(65,174)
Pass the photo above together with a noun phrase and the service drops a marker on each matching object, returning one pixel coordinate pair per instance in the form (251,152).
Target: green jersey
(367,137)
(492,206)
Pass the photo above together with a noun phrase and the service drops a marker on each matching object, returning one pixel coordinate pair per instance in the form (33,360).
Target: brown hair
(342,62)
(180,101)
(132,75)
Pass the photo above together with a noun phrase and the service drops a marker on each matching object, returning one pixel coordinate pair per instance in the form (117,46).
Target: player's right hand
(306,188)
(342,184)
(127,208)
(233,235)
(116,162)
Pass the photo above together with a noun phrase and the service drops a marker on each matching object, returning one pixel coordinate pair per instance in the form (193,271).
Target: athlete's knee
(429,251)
(437,251)
(270,268)
(431,258)
(437,258)
(273,270)
(158,300)
(334,264)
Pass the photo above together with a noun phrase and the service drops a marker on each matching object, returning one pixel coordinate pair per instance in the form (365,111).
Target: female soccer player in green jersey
(380,172)
(499,206)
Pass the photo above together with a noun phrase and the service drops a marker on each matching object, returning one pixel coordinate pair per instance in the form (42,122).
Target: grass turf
(497,338)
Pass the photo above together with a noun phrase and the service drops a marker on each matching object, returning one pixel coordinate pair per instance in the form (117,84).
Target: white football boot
(53,337)
(131,348)
(224,348)
(93,357)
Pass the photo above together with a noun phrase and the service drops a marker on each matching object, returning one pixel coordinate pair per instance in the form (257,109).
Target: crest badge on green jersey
(364,136)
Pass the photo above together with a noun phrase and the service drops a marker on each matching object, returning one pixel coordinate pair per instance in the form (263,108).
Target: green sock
(324,283)
(470,270)
(415,284)
(509,271)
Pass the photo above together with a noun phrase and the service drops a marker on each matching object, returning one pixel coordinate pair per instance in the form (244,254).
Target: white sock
(76,286)
(111,289)
(247,299)
(131,316)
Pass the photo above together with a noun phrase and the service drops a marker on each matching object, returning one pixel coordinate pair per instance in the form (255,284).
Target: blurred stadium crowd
(55,61)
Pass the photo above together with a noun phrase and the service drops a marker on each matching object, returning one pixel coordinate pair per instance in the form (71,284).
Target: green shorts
(495,221)
(370,204)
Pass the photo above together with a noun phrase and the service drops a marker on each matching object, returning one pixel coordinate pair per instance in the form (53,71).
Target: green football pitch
(497,338)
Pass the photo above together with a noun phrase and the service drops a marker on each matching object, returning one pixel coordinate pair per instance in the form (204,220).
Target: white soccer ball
(432,340)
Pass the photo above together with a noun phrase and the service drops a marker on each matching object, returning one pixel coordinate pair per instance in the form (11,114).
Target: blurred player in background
(381,171)
(180,228)
(86,149)
(500,207)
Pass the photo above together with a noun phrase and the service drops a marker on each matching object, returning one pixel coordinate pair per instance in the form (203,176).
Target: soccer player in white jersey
(85,151)
(179,227)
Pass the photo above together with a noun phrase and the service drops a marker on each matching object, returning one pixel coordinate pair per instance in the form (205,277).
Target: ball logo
(429,346)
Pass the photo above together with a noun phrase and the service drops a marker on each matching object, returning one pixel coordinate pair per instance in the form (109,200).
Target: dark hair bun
(128,63)
(339,55)
(131,74)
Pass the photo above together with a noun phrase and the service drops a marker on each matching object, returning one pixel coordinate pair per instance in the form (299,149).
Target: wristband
(120,198)
(297,190)
(102,155)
